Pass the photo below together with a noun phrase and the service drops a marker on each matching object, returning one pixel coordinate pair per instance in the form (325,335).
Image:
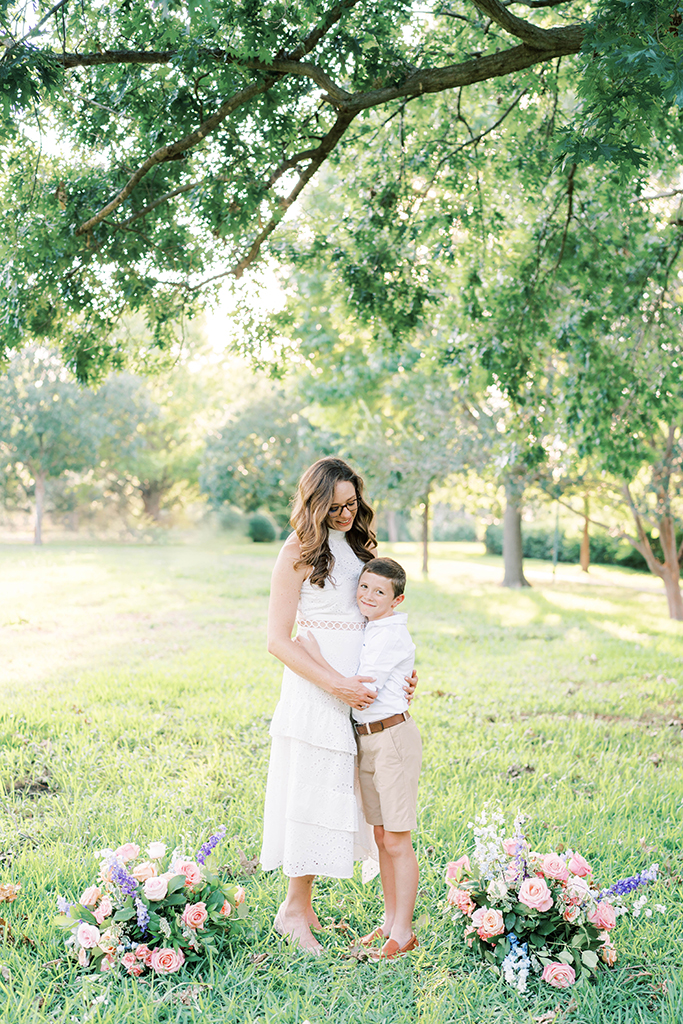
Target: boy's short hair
(390,569)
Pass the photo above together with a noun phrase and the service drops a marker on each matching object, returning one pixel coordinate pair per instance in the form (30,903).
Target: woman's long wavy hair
(311,508)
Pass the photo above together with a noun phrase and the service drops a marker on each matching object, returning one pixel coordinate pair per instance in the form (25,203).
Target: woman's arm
(284,599)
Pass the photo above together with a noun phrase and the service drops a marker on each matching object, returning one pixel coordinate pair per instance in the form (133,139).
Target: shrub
(537,542)
(465,529)
(261,529)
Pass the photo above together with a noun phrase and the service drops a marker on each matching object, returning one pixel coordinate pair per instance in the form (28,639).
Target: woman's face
(344,506)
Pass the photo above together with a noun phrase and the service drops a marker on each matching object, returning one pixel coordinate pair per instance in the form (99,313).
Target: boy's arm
(380,656)
(312,648)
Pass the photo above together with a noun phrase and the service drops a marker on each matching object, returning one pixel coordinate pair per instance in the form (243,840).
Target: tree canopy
(150,150)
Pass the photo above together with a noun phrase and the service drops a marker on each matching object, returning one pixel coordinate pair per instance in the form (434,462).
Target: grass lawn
(135,695)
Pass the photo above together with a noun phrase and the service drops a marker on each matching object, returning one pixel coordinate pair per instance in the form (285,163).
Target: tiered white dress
(313,821)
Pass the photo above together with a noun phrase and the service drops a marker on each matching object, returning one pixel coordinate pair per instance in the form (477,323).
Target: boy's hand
(412,684)
(309,644)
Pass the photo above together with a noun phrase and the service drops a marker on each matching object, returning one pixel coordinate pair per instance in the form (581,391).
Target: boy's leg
(405,875)
(386,871)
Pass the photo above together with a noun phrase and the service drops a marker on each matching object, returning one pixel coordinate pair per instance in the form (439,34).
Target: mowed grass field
(135,696)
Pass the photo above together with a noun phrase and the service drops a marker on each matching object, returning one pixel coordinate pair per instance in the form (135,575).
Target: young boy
(389,750)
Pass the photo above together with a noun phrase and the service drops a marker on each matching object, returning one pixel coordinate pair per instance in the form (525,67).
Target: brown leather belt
(365,728)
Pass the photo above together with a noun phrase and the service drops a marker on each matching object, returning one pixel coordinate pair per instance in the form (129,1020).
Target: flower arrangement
(154,913)
(527,911)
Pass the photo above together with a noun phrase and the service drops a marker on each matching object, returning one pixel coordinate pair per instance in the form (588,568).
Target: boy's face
(375,596)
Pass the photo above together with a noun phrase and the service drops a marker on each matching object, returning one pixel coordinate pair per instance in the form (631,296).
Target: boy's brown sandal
(367,940)
(391,949)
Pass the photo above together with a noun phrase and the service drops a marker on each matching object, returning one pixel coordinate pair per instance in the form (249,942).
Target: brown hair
(312,503)
(391,570)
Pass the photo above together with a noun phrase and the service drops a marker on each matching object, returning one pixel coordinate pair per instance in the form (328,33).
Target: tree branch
(657,195)
(530,34)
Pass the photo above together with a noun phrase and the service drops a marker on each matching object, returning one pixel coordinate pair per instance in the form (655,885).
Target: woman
(312,822)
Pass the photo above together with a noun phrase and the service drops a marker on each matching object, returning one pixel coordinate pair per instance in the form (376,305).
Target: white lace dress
(313,822)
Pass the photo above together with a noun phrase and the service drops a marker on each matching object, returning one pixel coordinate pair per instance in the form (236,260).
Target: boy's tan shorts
(389,765)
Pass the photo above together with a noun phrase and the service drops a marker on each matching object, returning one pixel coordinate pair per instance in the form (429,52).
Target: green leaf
(126,914)
(590,959)
(176,883)
(510,921)
(175,900)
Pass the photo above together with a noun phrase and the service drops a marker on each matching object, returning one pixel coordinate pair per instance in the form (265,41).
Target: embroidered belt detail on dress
(329,624)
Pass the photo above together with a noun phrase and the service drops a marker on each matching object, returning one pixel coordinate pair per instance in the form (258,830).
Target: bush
(463,530)
(537,542)
(261,529)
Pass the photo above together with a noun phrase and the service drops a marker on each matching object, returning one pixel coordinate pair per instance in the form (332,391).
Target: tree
(194,127)
(48,424)
(254,460)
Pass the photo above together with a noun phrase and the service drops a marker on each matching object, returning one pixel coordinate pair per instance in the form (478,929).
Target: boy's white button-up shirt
(388,654)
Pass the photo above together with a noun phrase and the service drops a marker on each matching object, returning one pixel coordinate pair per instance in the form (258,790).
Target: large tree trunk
(425,536)
(40,507)
(512,535)
(670,571)
(392,525)
(585,552)
(152,494)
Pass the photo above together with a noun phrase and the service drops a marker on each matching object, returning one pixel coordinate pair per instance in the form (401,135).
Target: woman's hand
(412,685)
(353,691)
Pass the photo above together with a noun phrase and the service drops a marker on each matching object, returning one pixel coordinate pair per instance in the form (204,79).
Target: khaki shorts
(389,765)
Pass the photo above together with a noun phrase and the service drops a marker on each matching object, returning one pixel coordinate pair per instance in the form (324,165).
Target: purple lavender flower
(143,915)
(63,905)
(121,877)
(208,846)
(626,885)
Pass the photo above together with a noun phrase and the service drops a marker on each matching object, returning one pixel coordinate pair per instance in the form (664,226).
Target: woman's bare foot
(296,928)
(312,919)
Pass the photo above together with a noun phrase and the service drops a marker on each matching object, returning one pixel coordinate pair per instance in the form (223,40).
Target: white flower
(497,890)
(660,907)
(156,850)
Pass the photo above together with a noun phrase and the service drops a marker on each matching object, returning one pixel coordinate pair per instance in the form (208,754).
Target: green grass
(135,694)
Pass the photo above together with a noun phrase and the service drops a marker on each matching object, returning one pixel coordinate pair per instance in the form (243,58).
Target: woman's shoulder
(290,554)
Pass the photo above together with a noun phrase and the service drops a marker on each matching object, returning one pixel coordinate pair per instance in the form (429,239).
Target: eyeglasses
(336,510)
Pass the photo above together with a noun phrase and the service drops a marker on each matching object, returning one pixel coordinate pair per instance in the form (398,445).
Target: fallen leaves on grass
(5,973)
(356,952)
(515,771)
(188,995)
(249,866)
(9,891)
(5,931)
(557,1014)
(258,958)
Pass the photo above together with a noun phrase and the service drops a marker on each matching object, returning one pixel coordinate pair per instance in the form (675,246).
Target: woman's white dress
(313,821)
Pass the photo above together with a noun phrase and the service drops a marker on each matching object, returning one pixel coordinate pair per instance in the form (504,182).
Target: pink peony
(572,914)
(90,897)
(155,888)
(461,899)
(88,935)
(534,893)
(194,915)
(602,916)
(578,866)
(144,953)
(240,895)
(104,910)
(488,922)
(510,846)
(129,851)
(226,909)
(608,953)
(555,867)
(167,960)
(144,871)
(559,975)
(192,871)
(455,869)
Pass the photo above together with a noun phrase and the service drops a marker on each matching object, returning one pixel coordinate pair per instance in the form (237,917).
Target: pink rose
(167,960)
(108,942)
(194,915)
(144,871)
(144,953)
(578,866)
(468,935)
(129,851)
(488,922)
(88,935)
(555,867)
(534,893)
(104,910)
(155,888)
(461,899)
(572,914)
(608,953)
(90,897)
(128,960)
(602,916)
(510,846)
(240,895)
(226,909)
(559,975)
(512,872)
(455,869)
(83,957)
(106,963)
(192,871)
